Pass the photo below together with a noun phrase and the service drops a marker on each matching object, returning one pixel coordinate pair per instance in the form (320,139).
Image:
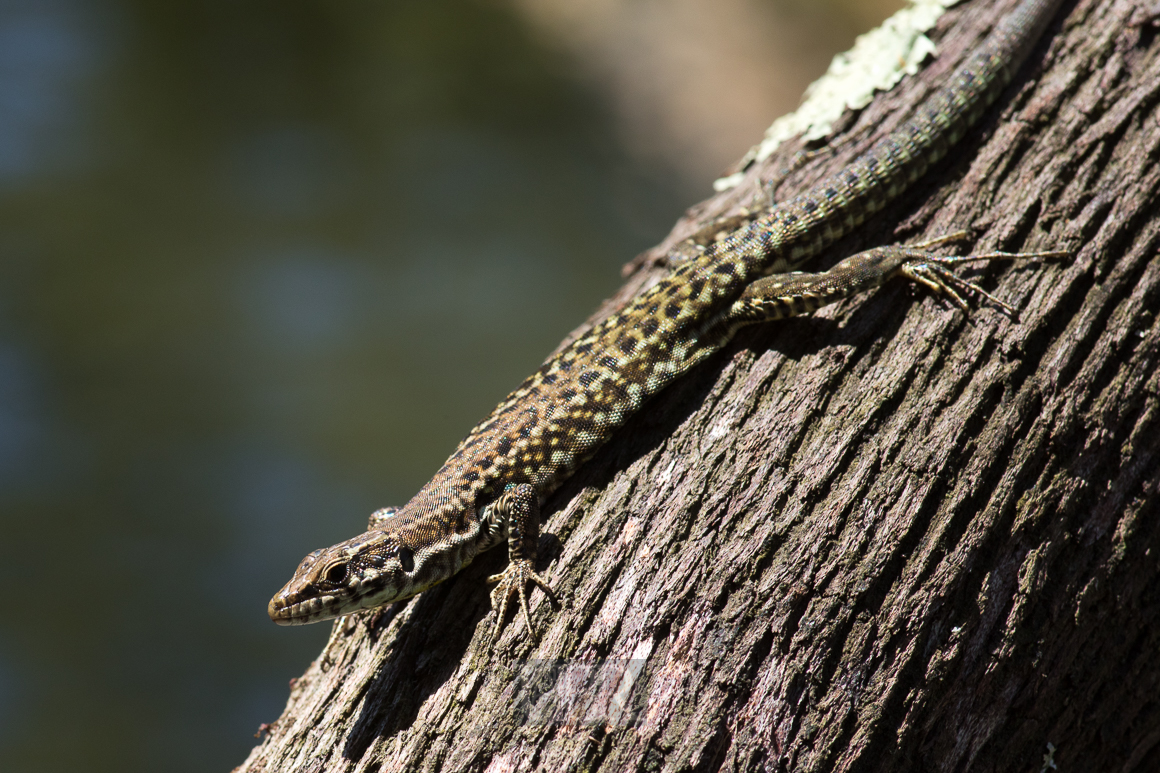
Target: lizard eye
(406,559)
(336,573)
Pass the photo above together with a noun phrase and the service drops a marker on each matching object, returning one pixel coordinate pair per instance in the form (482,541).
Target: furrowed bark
(889,537)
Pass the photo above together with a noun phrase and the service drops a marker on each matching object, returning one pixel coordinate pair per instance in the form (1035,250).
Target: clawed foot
(514,581)
(934,272)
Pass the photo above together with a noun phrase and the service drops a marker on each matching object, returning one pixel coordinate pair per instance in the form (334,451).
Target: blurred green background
(262,264)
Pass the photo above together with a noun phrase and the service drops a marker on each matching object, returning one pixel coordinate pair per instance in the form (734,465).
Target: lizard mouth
(292,611)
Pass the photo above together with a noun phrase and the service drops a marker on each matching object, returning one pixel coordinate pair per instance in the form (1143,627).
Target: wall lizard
(490,489)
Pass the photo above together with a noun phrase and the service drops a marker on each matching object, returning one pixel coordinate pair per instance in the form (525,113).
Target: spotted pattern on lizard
(490,489)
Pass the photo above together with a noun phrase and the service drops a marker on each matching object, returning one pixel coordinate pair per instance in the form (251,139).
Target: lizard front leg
(788,295)
(518,509)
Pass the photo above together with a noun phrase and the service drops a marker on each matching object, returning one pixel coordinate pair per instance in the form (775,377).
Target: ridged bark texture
(888,537)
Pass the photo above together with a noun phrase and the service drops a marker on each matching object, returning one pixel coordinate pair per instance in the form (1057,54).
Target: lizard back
(552,422)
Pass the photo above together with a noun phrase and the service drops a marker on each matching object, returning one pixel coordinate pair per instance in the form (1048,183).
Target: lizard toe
(513,581)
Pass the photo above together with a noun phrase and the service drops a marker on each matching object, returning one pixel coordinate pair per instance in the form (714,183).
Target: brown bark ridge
(886,537)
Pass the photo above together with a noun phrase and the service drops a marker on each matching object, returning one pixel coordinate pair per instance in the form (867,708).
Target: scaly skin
(491,488)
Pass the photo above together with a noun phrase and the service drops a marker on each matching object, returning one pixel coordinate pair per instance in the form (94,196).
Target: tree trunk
(886,537)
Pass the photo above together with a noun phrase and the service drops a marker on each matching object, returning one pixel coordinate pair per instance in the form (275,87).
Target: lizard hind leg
(934,272)
(519,506)
(786,295)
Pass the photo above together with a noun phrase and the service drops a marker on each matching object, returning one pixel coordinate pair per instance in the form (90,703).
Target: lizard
(491,488)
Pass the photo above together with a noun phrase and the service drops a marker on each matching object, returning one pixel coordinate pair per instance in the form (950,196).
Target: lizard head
(372,569)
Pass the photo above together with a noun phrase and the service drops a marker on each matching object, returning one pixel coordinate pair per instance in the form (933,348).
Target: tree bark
(886,537)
